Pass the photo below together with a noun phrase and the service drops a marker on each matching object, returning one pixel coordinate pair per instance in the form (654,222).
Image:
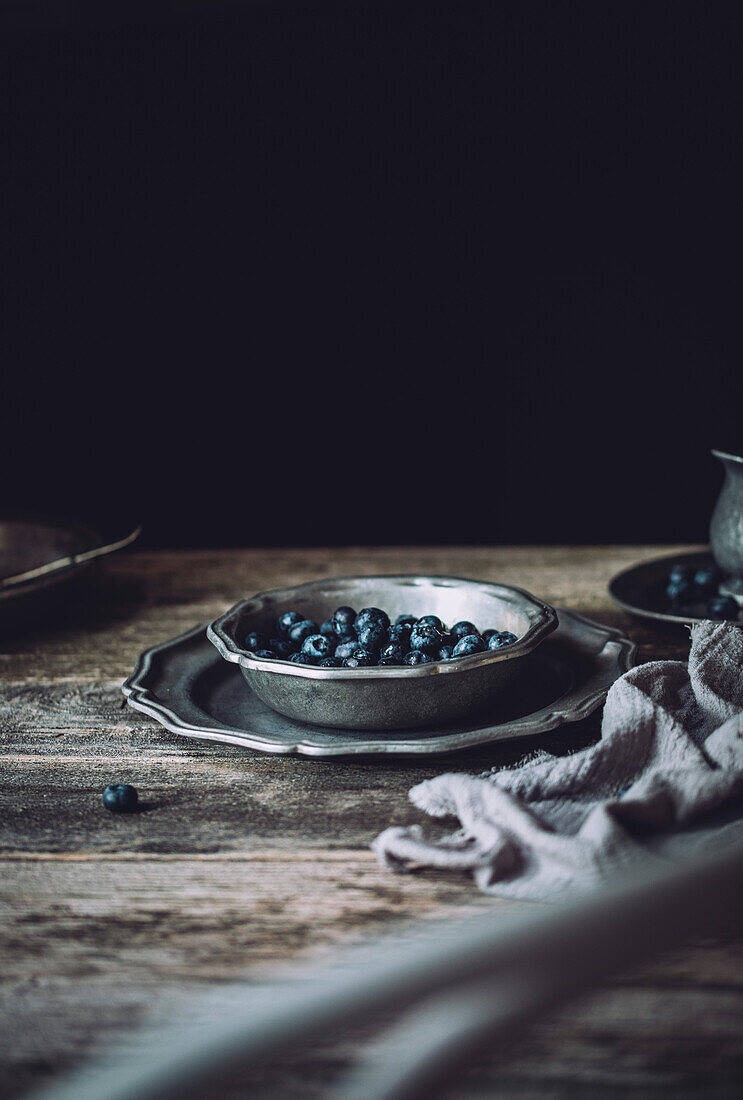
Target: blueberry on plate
(417,657)
(426,638)
(406,620)
(343,619)
(303,659)
(372,636)
(471,643)
(392,654)
(360,658)
(462,629)
(120,798)
(345,649)
(269,654)
(301,630)
(255,641)
(679,572)
(501,638)
(371,615)
(722,607)
(286,621)
(330,662)
(328,629)
(488,634)
(445,653)
(707,578)
(679,591)
(282,648)
(318,646)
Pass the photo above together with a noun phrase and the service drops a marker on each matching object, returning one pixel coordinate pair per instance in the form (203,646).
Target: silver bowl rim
(221,632)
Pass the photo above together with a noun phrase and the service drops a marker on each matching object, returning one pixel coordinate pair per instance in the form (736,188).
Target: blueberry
(330,662)
(345,649)
(301,630)
(463,629)
(255,640)
(360,658)
(328,629)
(400,634)
(487,635)
(433,620)
(707,578)
(269,654)
(679,572)
(679,592)
(372,636)
(318,646)
(406,620)
(303,659)
(471,643)
(281,647)
(417,657)
(722,607)
(501,638)
(445,653)
(343,620)
(286,621)
(426,638)
(120,798)
(392,654)
(371,615)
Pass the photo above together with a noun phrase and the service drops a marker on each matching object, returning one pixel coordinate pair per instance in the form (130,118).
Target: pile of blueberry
(689,586)
(367,639)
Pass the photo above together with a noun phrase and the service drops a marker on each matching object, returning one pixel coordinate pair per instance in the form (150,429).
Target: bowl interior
(488,606)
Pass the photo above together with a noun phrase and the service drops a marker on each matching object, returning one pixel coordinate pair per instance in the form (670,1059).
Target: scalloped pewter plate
(186,686)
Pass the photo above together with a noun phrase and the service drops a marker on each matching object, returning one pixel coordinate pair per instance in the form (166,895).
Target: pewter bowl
(394,697)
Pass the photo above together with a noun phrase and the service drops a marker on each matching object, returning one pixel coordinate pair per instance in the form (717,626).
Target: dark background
(283,273)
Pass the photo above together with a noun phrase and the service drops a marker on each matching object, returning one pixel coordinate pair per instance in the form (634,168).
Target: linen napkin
(671,753)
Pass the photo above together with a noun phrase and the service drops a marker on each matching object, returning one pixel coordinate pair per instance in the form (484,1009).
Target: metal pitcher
(726,525)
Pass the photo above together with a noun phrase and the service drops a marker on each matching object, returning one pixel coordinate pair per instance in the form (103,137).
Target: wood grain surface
(241,862)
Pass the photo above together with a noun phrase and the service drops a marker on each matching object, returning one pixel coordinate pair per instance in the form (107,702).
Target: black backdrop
(295,273)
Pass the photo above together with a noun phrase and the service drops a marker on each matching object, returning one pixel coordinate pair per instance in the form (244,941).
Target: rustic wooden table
(241,861)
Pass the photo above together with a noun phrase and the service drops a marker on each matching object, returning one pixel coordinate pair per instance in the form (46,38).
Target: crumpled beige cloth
(671,751)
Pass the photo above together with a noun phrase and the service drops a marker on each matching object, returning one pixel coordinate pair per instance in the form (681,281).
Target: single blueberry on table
(255,641)
(288,620)
(722,607)
(445,653)
(392,654)
(462,630)
(471,643)
(281,647)
(707,578)
(360,658)
(302,659)
(417,657)
(343,619)
(330,662)
(301,630)
(317,645)
(120,798)
(345,649)
(426,638)
(679,592)
(371,615)
(501,638)
(372,636)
